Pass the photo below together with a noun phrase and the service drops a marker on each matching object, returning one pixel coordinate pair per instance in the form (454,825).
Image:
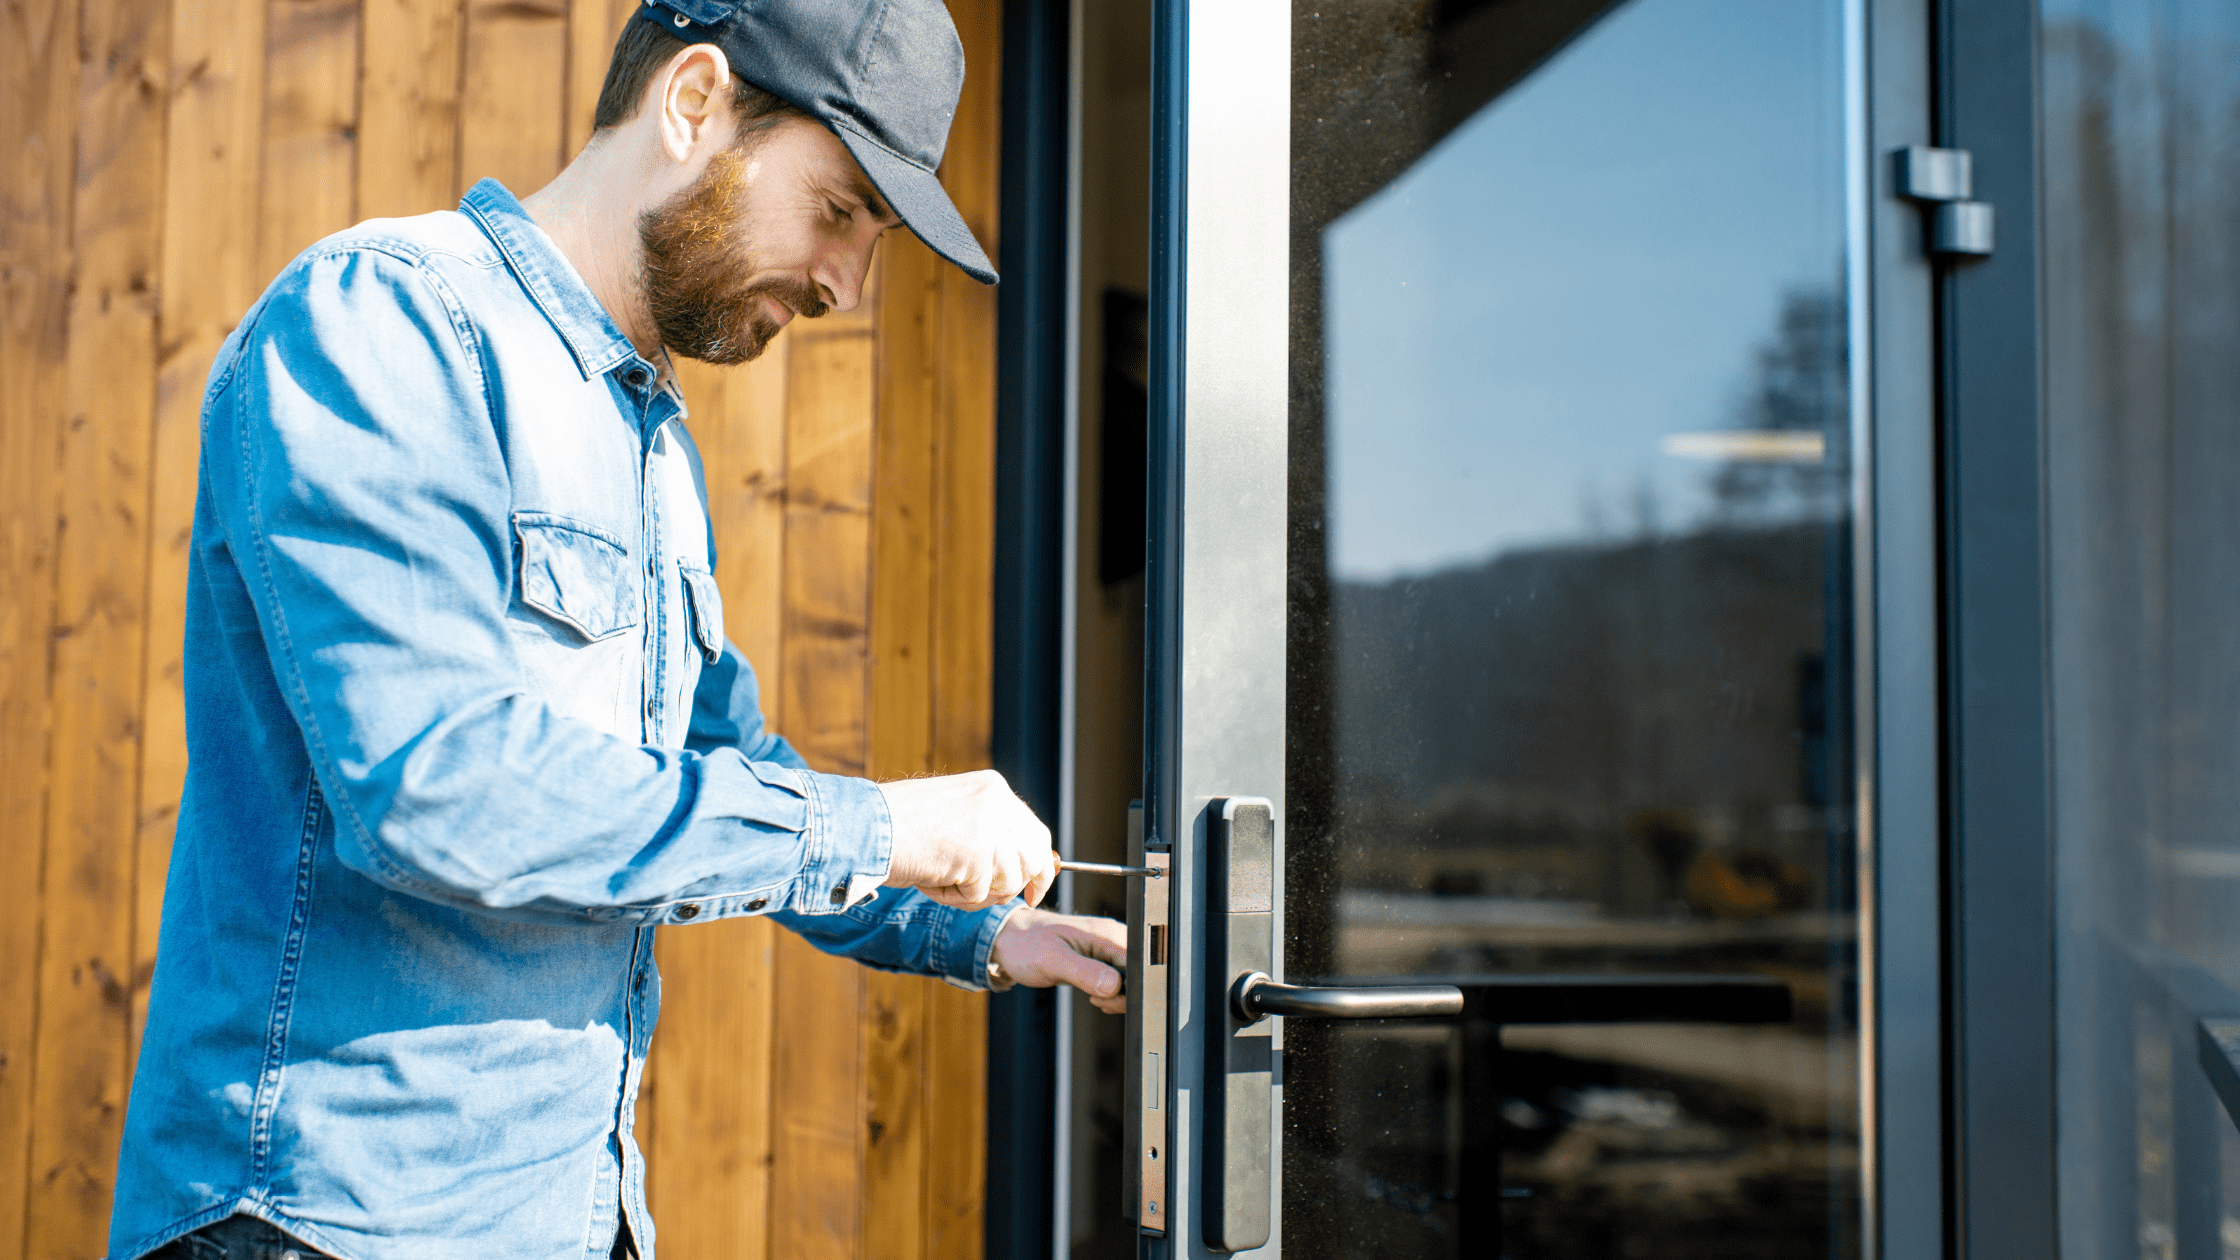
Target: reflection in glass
(1570,661)
(2140,114)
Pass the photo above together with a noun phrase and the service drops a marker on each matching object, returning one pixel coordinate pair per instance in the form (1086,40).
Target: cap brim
(920,201)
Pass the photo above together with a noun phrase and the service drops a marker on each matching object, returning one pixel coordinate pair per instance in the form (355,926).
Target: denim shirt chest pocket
(691,625)
(706,608)
(576,599)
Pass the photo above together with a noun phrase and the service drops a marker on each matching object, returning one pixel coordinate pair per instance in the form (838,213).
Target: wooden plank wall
(164,159)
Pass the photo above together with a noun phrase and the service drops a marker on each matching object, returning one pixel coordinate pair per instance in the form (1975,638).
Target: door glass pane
(1570,660)
(2140,114)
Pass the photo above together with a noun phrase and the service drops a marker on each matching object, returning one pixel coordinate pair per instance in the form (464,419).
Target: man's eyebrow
(859,186)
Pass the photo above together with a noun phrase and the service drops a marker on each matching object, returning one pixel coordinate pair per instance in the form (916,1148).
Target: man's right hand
(967,840)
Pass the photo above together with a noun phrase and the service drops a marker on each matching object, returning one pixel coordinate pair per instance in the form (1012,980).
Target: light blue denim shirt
(463,728)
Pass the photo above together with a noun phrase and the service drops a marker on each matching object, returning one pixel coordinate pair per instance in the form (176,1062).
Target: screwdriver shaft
(1106,868)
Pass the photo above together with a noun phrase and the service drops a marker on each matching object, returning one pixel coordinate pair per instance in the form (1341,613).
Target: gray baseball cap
(884,75)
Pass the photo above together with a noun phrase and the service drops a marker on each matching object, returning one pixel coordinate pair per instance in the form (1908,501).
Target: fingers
(949,896)
(1044,874)
(1100,938)
(1085,973)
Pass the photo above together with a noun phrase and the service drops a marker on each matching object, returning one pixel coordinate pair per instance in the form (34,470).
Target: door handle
(1254,997)
(1240,1051)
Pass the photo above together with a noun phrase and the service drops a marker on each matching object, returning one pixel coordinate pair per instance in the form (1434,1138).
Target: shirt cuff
(964,955)
(851,843)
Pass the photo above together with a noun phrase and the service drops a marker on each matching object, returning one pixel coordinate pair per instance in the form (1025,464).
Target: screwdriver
(1106,868)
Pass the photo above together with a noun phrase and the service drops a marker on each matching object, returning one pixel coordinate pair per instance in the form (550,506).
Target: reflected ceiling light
(1763,446)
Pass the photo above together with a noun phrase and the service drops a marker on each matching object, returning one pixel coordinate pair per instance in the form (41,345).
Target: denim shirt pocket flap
(707,611)
(576,574)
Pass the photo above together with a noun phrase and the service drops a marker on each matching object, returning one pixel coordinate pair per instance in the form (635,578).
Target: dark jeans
(247,1238)
(237,1238)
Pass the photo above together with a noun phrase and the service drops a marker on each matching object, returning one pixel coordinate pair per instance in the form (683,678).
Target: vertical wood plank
(956,1085)
(747,500)
(80,1069)
(512,97)
(816,1107)
(38,117)
(963,705)
(827,543)
(905,560)
(210,278)
(708,1153)
(903,574)
(593,26)
(964,698)
(408,150)
(310,127)
(818,1114)
(893,1022)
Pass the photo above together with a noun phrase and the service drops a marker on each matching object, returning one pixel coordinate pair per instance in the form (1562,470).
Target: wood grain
(513,93)
(893,1024)
(164,163)
(38,130)
(827,545)
(816,1108)
(963,704)
(903,578)
(593,26)
(408,150)
(964,662)
(747,501)
(210,278)
(309,187)
(905,571)
(956,1086)
(708,1153)
(81,1073)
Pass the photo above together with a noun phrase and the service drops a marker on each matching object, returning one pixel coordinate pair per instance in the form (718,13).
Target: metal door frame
(1220,281)
(1216,556)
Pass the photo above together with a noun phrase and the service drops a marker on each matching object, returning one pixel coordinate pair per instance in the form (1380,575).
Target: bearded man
(464,725)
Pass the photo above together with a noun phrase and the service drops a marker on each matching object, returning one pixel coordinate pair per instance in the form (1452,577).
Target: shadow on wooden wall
(165,158)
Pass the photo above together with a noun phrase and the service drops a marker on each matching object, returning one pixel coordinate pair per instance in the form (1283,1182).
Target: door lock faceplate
(1144,1194)
(1240,1050)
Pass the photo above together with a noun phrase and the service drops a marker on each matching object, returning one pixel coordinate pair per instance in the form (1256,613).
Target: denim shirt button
(840,894)
(687,912)
(758,903)
(639,377)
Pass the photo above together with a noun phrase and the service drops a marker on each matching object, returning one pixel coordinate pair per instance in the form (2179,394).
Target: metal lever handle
(1254,997)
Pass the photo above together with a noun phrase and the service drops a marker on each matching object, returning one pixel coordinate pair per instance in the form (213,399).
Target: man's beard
(698,270)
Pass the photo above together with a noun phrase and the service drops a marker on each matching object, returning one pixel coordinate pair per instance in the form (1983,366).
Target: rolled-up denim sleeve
(357,473)
(894,929)
(902,929)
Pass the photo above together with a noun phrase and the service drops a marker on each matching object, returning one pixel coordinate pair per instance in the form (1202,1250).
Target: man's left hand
(1040,948)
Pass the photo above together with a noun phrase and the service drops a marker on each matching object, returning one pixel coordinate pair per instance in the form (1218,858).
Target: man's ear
(692,102)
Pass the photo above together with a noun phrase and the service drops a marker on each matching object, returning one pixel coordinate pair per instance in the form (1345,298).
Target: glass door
(1501,745)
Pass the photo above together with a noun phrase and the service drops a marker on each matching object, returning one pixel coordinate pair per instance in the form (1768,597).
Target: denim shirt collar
(598,346)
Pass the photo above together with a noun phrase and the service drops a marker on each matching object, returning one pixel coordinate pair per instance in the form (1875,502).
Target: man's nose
(840,277)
